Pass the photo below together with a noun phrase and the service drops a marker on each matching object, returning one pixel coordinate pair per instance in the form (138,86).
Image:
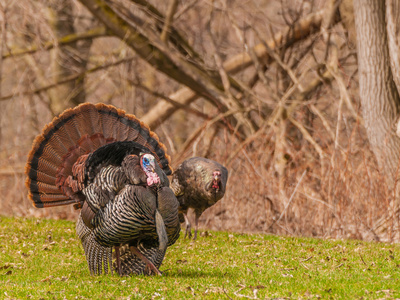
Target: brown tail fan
(76,132)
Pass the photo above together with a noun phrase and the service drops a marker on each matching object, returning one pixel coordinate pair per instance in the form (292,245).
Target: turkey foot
(149,265)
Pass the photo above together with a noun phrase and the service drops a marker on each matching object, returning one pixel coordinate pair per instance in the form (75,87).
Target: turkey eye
(145,160)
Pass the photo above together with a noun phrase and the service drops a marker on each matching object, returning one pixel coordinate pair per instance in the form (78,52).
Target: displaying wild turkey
(198,183)
(112,166)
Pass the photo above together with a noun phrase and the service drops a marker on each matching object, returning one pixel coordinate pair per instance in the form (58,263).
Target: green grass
(43,259)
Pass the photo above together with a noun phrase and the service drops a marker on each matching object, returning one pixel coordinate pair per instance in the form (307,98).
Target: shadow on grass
(179,273)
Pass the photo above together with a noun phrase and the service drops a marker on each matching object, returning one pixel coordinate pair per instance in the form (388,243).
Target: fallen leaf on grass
(259,287)
(307,259)
(189,288)
(338,266)
(237,293)
(11,265)
(181,261)
(155,295)
(47,279)
(205,234)
(5,267)
(386,292)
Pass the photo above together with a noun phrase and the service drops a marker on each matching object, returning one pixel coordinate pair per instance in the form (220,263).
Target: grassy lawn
(43,259)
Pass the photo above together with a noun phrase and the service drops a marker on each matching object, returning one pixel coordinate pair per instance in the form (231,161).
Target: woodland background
(275,100)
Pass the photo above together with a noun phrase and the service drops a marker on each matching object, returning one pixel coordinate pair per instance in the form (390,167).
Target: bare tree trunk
(393,26)
(66,60)
(2,48)
(379,97)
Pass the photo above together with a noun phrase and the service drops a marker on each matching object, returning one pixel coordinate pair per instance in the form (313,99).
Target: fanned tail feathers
(78,131)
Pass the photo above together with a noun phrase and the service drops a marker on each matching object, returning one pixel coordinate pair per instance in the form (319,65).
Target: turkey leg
(196,225)
(188,230)
(118,259)
(149,265)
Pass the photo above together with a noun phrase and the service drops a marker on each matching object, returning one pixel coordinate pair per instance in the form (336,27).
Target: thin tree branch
(174,36)
(67,79)
(290,200)
(173,5)
(217,119)
(307,136)
(230,100)
(169,100)
(68,39)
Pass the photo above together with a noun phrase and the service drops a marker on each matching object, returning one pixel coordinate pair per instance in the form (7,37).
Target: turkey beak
(217,178)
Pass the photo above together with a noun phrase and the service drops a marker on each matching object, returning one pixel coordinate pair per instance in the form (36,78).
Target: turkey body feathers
(192,183)
(129,217)
(198,183)
(91,156)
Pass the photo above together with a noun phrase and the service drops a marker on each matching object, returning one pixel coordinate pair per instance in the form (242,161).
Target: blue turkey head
(148,163)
